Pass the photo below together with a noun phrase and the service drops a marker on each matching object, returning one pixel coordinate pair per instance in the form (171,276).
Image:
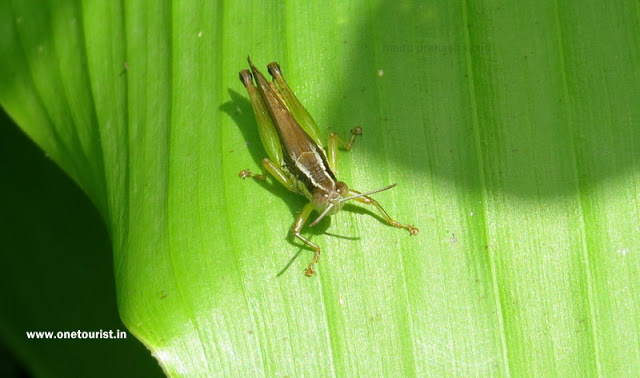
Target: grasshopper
(296,157)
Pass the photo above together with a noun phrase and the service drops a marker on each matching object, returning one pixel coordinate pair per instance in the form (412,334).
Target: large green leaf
(56,274)
(512,128)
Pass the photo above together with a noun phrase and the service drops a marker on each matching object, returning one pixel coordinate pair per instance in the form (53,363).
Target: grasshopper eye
(342,188)
(320,197)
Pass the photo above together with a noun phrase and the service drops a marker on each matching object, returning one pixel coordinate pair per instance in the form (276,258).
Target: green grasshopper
(296,157)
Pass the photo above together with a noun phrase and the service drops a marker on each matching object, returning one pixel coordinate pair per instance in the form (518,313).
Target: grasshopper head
(329,202)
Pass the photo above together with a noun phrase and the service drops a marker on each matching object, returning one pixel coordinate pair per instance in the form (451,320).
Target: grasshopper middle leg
(276,172)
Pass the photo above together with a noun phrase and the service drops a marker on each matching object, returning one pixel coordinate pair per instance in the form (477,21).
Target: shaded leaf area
(511,129)
(56,273)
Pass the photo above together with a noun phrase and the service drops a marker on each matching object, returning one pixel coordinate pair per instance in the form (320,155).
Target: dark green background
(56,273)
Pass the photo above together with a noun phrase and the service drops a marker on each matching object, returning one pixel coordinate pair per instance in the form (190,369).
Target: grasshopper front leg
(296,228)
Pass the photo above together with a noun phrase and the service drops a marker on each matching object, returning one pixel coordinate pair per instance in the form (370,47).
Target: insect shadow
(240,110)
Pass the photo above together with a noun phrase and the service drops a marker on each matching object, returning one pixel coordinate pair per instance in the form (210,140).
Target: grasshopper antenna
(318,219)
(324,213)
(367,193)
